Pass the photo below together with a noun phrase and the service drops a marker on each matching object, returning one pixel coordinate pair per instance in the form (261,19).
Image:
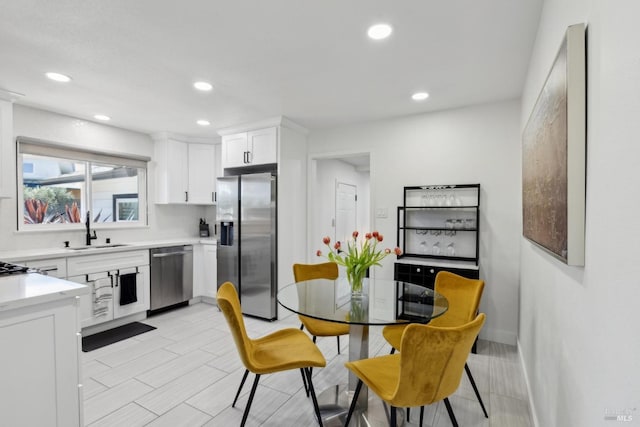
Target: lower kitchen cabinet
(205,270)
(40,365)
(118,283)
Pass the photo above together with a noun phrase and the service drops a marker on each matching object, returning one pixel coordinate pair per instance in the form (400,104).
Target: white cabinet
(205,270)
(185,171)
(257,147)
(40,365)
(174,172)
(104,275)
(56,267)
(234,150)
(210,275)
(202,174)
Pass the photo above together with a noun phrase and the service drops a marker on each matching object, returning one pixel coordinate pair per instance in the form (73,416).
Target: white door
(96,306)
(202,173)
(142,292)
(177,168)
(234,148)
(263,146)
(346,211)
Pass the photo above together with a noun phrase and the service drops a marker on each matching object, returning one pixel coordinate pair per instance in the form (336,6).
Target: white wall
(579,327)
(479,144)
(165,221)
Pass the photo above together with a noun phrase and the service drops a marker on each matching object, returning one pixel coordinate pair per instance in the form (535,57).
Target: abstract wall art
(554,156)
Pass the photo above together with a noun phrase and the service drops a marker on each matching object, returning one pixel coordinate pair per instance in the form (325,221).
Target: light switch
(381,212)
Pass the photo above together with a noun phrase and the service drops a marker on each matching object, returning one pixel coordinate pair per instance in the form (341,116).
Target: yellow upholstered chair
(279,351)
(319,328)
(463,295)
(427,370)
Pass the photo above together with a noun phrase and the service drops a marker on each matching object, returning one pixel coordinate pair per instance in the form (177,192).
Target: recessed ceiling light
(58,77)
(419,96)
(203,122)
(102,117)
(379,31)
(203,86)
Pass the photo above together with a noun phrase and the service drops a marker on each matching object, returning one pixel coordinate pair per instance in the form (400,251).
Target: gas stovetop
(7,269)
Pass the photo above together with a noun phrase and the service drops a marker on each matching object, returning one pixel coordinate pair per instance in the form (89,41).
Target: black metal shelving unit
(440,213)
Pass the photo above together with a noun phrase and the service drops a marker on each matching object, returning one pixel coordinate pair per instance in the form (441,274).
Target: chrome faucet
(89,236)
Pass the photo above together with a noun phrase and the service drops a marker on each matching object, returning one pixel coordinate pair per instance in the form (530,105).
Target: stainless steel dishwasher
(171,276)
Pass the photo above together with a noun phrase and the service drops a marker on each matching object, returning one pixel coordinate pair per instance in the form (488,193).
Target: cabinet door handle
(248,156)
(215,196)
(46,270)
(244,157)
(186,196)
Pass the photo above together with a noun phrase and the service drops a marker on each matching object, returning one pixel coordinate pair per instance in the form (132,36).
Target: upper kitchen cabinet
(202,174)
(255,147)
(185,171)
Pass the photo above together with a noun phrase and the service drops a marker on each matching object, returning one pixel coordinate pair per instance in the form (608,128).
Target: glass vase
(355,278)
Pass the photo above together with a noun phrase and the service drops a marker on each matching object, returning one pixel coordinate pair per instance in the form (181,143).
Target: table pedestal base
(334,406)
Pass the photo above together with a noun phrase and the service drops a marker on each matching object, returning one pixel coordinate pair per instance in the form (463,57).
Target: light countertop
(23,290)
(61,252)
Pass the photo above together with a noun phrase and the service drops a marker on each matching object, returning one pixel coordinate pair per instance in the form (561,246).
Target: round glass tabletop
(383,302)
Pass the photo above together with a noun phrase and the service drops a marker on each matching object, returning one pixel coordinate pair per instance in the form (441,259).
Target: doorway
(334,182)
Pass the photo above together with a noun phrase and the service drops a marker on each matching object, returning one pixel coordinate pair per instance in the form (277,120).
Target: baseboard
(532,406)
(209,300)
(500,336)
(203,298)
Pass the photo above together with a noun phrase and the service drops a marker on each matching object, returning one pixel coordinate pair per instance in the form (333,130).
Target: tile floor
(186,373)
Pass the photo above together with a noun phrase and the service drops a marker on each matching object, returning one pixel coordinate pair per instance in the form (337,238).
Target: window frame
(39,147)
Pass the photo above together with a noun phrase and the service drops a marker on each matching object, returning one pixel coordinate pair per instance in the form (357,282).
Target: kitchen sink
(113,245)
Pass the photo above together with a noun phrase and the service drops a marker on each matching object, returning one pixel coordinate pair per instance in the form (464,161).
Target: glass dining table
(382,302)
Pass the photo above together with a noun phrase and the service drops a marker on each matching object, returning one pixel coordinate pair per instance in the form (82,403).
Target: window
(61,185)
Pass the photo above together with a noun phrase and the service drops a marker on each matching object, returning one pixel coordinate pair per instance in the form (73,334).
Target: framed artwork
(554,156)
(125,207)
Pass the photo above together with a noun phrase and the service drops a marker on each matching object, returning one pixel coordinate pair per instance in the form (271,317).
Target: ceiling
(311,61)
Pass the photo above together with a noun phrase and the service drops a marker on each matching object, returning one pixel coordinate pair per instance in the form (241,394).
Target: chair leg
(421,415)
(386,411)
(392,421)
(244,378)
(475,389)
(253,392)
(313,395)
(338,337)
(408,415)
(393,350)
(304,381)
(450,411)
(353,403)
(302,327)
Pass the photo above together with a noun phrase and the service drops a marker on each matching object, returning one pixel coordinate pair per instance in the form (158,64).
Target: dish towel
(102,289)
(128,288)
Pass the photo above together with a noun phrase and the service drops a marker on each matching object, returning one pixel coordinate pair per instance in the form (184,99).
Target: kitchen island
(40,341)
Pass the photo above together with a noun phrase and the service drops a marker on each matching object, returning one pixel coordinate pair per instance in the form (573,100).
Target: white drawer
(56,267)
(106,262)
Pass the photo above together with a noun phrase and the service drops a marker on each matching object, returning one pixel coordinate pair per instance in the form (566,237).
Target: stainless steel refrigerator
(247,244)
